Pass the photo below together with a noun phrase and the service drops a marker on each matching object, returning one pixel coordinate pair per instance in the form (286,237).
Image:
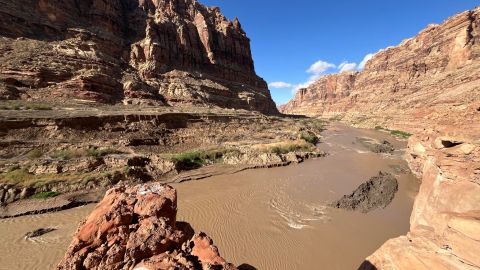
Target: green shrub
(45,195)
(190,160)
(397,133)
(287,148)
(401,134)
(63,154)
(196,159)
(310,138)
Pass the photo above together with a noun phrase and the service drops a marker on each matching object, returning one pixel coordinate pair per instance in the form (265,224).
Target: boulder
(136,228)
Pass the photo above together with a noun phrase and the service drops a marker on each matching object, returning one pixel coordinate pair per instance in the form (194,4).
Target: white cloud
(320,67)
(367,57)
(346,66)
(280,85)
(316,70)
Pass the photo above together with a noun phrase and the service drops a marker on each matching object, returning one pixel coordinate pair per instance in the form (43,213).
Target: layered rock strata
(427,80)
(136,228)
(64,150)
(131,51)
(445,223)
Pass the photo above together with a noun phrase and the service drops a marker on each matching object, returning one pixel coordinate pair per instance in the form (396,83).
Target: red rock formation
(433,77)
(136,228)
(135,51)
(445,223)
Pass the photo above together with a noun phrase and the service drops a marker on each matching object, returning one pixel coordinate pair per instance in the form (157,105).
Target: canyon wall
(428,85)
(431,79)
(445,222)
(132,51)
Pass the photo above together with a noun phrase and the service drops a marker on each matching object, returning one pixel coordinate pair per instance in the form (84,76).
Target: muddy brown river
(262,219)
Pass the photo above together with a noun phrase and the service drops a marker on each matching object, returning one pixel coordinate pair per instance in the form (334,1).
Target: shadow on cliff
(366,265)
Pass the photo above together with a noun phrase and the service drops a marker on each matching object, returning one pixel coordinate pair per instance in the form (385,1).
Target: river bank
(265,217)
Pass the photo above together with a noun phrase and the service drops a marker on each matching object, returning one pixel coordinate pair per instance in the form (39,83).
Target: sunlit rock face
(428,85)
(131,51)
(430,79)
(136,228)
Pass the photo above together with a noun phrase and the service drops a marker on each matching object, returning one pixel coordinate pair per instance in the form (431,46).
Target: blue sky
(289,37)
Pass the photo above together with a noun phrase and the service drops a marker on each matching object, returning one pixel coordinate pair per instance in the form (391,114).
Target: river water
(262,219)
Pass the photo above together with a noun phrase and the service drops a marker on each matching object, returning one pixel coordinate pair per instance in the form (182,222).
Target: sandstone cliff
(428,85)
(445,223)
(131,51)
(432,78)
(136,228)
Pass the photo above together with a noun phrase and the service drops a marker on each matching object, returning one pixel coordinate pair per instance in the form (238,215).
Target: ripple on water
(296,212)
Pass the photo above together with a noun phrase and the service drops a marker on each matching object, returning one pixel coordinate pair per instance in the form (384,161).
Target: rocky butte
(150,52)
(428,85)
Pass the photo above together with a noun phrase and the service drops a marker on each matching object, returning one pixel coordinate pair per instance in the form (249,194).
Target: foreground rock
(136,228)
(376,193)
(127,51)
(445,223)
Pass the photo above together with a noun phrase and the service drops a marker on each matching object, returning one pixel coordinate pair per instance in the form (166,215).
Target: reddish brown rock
(136,228)
(131,51)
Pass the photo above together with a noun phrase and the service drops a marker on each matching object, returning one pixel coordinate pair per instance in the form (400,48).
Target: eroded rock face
(445,223)
(132,51)
(432,78)
(136,228)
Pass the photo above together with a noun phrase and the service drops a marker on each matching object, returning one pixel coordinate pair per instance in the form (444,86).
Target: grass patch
(67,154)
(35,153)
(16,175)
(21,177)
(16,106)
(288,147)
(45,195)
(64,154)
(310,138)
(197,159)
(396,133)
